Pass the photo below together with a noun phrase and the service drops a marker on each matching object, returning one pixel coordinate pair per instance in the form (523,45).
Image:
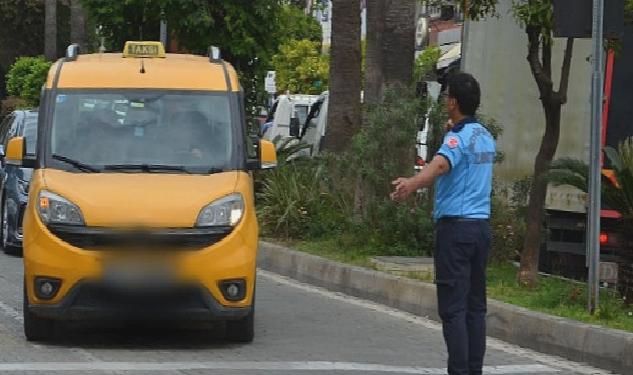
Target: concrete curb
(598,346)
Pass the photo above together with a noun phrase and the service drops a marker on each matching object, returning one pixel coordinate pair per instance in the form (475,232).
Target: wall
(495,53)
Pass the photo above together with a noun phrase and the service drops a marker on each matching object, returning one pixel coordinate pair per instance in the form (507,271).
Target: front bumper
(99,301)
(232,258)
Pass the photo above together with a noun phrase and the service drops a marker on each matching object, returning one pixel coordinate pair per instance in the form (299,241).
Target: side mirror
(295,127)
(16,149)
(266,155)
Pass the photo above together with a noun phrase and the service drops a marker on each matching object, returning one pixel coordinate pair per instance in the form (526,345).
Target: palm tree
(345,76)
(50,29)
(616,192)
(622,161)
(77,23)
(390,46)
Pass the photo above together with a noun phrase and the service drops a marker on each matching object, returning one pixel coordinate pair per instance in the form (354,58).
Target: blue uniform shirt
(465,190)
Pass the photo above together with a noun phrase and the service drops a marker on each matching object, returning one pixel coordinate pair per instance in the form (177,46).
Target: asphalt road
(299,330)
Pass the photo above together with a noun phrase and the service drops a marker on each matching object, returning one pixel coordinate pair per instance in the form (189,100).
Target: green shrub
(426,62)
(26,78)
(294,203)
(346,196)
(397,229)
(508,231)
(384,147)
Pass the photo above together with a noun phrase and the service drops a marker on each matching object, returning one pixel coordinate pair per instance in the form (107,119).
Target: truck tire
(36,328)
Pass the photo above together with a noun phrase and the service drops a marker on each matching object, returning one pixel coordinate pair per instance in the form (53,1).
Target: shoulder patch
(452,142)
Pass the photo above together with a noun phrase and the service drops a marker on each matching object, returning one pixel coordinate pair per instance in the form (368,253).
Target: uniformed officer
(462,172)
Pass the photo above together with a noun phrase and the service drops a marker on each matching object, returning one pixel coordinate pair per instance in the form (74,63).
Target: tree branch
(543,80)
(565,69)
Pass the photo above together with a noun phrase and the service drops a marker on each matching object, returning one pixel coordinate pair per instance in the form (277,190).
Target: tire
(242,330)
(36,328)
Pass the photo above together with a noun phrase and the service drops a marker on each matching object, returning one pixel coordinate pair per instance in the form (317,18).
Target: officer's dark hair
(464,88)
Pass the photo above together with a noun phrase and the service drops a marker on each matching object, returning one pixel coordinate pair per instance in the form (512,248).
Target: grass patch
(559,297)
(331,248)
(553,296)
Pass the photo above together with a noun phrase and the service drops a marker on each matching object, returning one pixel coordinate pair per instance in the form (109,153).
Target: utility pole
(465,30)
(163,28)
(593,213)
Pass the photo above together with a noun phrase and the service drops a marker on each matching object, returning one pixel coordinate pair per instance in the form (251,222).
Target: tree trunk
(345,60)
(399,43)
(374,51)
(77,24)
(390,46)
(552,102)
(50,29)
(532,243)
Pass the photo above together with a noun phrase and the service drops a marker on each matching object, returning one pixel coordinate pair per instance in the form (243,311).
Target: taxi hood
(139,199)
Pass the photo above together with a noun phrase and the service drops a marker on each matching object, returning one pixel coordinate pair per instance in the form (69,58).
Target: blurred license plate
(138,273)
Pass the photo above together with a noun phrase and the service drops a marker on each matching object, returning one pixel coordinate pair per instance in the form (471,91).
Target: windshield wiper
(75,163)
(146,168)
(215,170)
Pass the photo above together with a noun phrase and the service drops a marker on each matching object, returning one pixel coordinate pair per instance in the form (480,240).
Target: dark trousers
(461,254)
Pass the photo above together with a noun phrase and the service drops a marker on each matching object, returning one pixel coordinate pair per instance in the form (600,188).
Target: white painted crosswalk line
(258,366)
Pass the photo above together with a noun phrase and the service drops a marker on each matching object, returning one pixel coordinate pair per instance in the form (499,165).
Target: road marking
(491,343)
(259,366)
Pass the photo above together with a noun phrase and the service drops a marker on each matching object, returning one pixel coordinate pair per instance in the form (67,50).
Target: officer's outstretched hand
(403,187)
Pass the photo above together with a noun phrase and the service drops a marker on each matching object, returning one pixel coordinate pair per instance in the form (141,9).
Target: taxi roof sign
(144,49)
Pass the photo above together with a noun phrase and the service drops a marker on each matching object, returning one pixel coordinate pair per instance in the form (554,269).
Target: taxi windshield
(190,132)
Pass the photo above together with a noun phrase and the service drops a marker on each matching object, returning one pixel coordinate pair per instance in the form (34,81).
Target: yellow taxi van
(141,201)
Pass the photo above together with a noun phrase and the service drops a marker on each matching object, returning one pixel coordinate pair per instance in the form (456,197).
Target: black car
(14,180)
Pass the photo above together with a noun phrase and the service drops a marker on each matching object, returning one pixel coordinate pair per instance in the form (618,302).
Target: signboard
(609,272)
(144,49)
(573,18)
(271,85)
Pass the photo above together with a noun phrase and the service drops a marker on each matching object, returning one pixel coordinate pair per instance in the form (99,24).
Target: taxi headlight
(226,211)
(54,209)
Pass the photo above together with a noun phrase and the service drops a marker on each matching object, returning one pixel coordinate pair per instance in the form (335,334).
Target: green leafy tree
(426,62)
(301,68)
(26,77)
(247,32)
(537,19)
(26,19)
(296,25)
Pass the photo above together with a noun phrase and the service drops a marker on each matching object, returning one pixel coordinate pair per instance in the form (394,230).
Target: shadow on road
(142,335)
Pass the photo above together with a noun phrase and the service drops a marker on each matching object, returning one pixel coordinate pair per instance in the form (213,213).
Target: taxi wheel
(242,330)
(36,328)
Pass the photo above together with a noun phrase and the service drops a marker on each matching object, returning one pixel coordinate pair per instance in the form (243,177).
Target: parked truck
(563,250)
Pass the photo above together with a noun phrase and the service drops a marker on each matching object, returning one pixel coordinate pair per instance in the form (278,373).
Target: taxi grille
(97,238)
(107,297)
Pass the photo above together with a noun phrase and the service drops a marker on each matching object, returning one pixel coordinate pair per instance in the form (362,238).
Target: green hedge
(26,78)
